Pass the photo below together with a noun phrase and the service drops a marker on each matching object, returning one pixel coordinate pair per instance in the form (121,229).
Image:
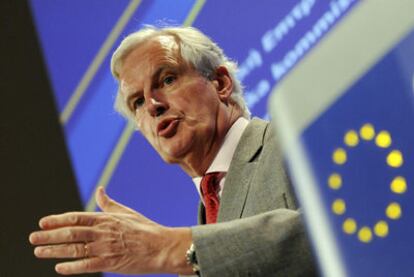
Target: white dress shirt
(224,156)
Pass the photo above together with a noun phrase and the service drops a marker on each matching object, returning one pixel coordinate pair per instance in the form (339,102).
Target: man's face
(177,110)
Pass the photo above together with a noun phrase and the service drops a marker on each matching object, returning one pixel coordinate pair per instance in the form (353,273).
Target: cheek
(201,103)
(144,126)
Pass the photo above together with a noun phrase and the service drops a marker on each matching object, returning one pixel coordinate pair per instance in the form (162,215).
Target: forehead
(146,58)
(156,51)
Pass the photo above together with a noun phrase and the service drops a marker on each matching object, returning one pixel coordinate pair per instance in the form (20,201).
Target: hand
(118,239)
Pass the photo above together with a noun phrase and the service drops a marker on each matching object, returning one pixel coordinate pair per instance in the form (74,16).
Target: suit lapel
(201,216)
(242,170)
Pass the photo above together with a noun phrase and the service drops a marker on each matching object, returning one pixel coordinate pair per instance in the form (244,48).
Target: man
(180,90)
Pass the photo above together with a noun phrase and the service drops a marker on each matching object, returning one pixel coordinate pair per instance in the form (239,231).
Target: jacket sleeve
(269,244)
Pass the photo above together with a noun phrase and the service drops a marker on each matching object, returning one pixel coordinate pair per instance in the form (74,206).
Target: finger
(90,265)
(73,250)
(69,219)
(80,250)
(64,235)
(107,204)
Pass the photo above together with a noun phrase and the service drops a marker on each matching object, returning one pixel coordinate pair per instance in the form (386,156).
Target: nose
(156,107)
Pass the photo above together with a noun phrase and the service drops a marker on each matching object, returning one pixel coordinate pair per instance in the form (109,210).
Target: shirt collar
(223,158)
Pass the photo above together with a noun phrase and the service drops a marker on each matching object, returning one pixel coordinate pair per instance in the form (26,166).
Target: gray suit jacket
(260,231)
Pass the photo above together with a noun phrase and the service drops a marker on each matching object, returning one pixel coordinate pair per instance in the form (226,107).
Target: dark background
(36,177)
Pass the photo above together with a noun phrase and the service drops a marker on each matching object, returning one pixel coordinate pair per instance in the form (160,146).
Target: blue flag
(355,151)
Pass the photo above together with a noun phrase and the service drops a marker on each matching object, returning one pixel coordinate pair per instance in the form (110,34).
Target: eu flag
(357,149)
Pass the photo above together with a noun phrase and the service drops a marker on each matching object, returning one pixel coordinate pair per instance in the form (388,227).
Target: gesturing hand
(116,240)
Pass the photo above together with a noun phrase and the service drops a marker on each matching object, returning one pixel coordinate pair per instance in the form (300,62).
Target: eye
(138,103)
(168,80)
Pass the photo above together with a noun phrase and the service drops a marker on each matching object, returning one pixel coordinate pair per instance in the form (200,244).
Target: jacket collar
(242,169)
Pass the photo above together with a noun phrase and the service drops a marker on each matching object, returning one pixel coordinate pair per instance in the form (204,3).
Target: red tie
(209,189)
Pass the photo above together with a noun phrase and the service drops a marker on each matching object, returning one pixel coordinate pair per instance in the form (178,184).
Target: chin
(176,153)
(171,159)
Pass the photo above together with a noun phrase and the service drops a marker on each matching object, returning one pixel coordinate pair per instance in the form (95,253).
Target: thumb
(107,204)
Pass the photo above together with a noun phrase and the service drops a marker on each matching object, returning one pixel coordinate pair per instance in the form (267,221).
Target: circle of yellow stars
(398,185)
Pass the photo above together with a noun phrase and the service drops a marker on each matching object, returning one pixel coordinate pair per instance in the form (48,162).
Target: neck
(200,160)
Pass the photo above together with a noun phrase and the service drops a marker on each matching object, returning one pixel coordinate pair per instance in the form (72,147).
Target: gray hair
(195,48)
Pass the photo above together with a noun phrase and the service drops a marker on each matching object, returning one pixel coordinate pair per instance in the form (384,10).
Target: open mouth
(167,127)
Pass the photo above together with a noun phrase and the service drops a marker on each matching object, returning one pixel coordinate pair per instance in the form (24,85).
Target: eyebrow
(159,71)
(154,78)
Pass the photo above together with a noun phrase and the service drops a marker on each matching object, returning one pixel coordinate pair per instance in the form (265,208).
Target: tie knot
(210,182)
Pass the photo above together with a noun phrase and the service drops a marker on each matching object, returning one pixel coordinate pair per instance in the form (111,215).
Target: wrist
(191,258)
(180,240)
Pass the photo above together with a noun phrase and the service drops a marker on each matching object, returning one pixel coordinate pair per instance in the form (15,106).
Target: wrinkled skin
(118,240)
(158,87)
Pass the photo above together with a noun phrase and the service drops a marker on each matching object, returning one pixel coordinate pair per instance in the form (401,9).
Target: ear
(223,84)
